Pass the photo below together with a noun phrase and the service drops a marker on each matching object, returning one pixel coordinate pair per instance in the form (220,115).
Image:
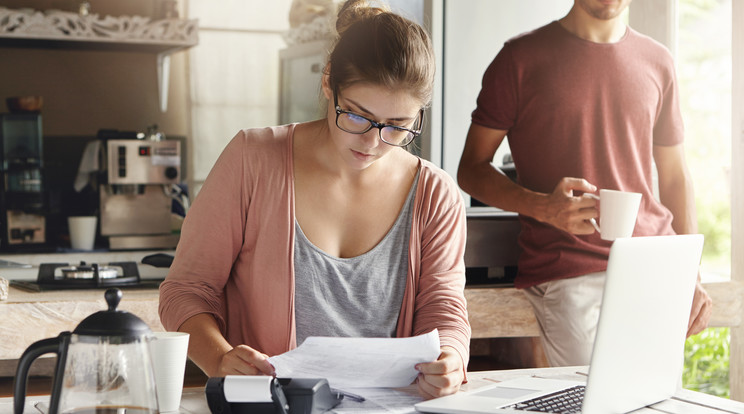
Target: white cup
(82,231)
(168,351)
(617,213)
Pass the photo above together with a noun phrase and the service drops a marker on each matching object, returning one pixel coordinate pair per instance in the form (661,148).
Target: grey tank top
(352,297)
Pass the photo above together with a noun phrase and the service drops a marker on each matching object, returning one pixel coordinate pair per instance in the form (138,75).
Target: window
(704,67)
(234,73)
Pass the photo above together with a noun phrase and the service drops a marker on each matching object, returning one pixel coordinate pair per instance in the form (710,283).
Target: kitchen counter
(193,398)
(26,316)
(494,312)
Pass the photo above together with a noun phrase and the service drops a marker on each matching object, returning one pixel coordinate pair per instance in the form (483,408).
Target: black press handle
(57,346)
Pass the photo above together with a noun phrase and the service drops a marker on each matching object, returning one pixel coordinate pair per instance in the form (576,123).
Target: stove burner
(84,271)
(87,276)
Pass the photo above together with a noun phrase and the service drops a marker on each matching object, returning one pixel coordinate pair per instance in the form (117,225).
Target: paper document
(382,401)
(359,362)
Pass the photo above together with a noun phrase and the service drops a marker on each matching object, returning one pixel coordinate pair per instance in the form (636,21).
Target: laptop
(638,353)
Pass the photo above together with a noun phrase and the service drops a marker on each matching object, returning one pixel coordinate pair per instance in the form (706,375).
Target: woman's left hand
(441,377)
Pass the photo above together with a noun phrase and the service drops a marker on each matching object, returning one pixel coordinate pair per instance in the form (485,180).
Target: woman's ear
(325,82)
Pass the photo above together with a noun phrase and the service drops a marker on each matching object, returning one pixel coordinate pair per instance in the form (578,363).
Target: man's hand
(702,308)
(441,377)
(566,211)
(244,360)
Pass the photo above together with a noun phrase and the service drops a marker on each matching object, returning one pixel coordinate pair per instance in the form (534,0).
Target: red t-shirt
(574,108)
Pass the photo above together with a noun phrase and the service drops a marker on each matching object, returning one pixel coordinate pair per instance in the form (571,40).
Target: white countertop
(100,257)
(193,399)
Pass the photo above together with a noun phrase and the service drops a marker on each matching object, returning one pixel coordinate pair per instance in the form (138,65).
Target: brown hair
(377,46)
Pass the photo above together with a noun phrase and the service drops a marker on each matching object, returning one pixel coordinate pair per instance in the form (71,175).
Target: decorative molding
(61,25)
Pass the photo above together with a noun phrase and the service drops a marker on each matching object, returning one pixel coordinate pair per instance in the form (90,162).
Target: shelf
(115,45)
(54,29)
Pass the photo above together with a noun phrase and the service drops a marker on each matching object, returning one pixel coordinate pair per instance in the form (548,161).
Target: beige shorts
(567,311)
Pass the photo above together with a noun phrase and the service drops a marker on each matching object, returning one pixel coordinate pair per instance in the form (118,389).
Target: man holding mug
(587,104)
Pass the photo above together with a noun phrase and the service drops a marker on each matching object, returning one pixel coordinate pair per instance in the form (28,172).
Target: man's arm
(481,179)
(676,193)
(675,187)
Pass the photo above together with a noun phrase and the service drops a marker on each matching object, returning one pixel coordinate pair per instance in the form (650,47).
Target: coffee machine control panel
(143,162)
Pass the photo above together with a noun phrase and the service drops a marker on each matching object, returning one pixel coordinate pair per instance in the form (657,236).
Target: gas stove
(64,276)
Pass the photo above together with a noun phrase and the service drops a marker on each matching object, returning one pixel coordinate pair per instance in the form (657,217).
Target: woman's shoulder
(258,146)
(256,150)
(273,136)
(438,184)
(430,171)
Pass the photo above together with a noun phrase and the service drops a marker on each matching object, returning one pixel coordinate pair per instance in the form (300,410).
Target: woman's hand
(244,360)
(441,377)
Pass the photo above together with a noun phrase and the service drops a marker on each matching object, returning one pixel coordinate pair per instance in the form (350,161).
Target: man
(587,103)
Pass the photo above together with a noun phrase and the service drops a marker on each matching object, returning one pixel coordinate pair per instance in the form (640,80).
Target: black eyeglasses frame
(379,125)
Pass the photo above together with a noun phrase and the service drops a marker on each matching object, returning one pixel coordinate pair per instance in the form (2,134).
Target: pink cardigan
(235,258)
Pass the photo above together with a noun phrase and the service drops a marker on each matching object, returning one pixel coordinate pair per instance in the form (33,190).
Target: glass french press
(103,366)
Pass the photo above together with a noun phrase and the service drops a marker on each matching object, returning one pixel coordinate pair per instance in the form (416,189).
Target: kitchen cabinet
(55,29)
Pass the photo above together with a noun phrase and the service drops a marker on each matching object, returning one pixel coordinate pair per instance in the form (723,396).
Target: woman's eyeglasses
(390,134)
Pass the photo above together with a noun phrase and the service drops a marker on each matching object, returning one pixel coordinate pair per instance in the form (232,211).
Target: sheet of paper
(381,400)
(359,362)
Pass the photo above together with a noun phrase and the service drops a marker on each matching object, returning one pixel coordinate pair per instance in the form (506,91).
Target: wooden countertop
(27,317)
(19,296)
(495,312)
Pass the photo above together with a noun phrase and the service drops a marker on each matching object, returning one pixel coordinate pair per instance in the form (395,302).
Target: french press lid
(113,322)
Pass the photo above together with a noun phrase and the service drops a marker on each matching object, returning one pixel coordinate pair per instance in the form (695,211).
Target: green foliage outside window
(707,362)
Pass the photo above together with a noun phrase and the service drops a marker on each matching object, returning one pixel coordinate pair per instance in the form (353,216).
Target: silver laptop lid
(639,348)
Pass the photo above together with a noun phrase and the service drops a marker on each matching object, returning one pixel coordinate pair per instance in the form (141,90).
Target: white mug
(617,213)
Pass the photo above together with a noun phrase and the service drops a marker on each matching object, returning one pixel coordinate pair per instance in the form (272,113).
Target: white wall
(474,32)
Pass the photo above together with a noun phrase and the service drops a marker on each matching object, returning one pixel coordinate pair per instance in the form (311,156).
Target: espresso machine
(22,200)
(136,195)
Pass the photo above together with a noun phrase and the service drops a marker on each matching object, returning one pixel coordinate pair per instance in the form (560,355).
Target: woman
(330,227)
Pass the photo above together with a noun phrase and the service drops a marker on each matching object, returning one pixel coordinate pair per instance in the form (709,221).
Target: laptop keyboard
(564,401)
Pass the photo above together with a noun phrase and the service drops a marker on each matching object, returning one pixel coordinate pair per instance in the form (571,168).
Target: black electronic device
(22,201)
(289,396)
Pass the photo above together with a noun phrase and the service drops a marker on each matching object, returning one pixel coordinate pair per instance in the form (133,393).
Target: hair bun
(353,11)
